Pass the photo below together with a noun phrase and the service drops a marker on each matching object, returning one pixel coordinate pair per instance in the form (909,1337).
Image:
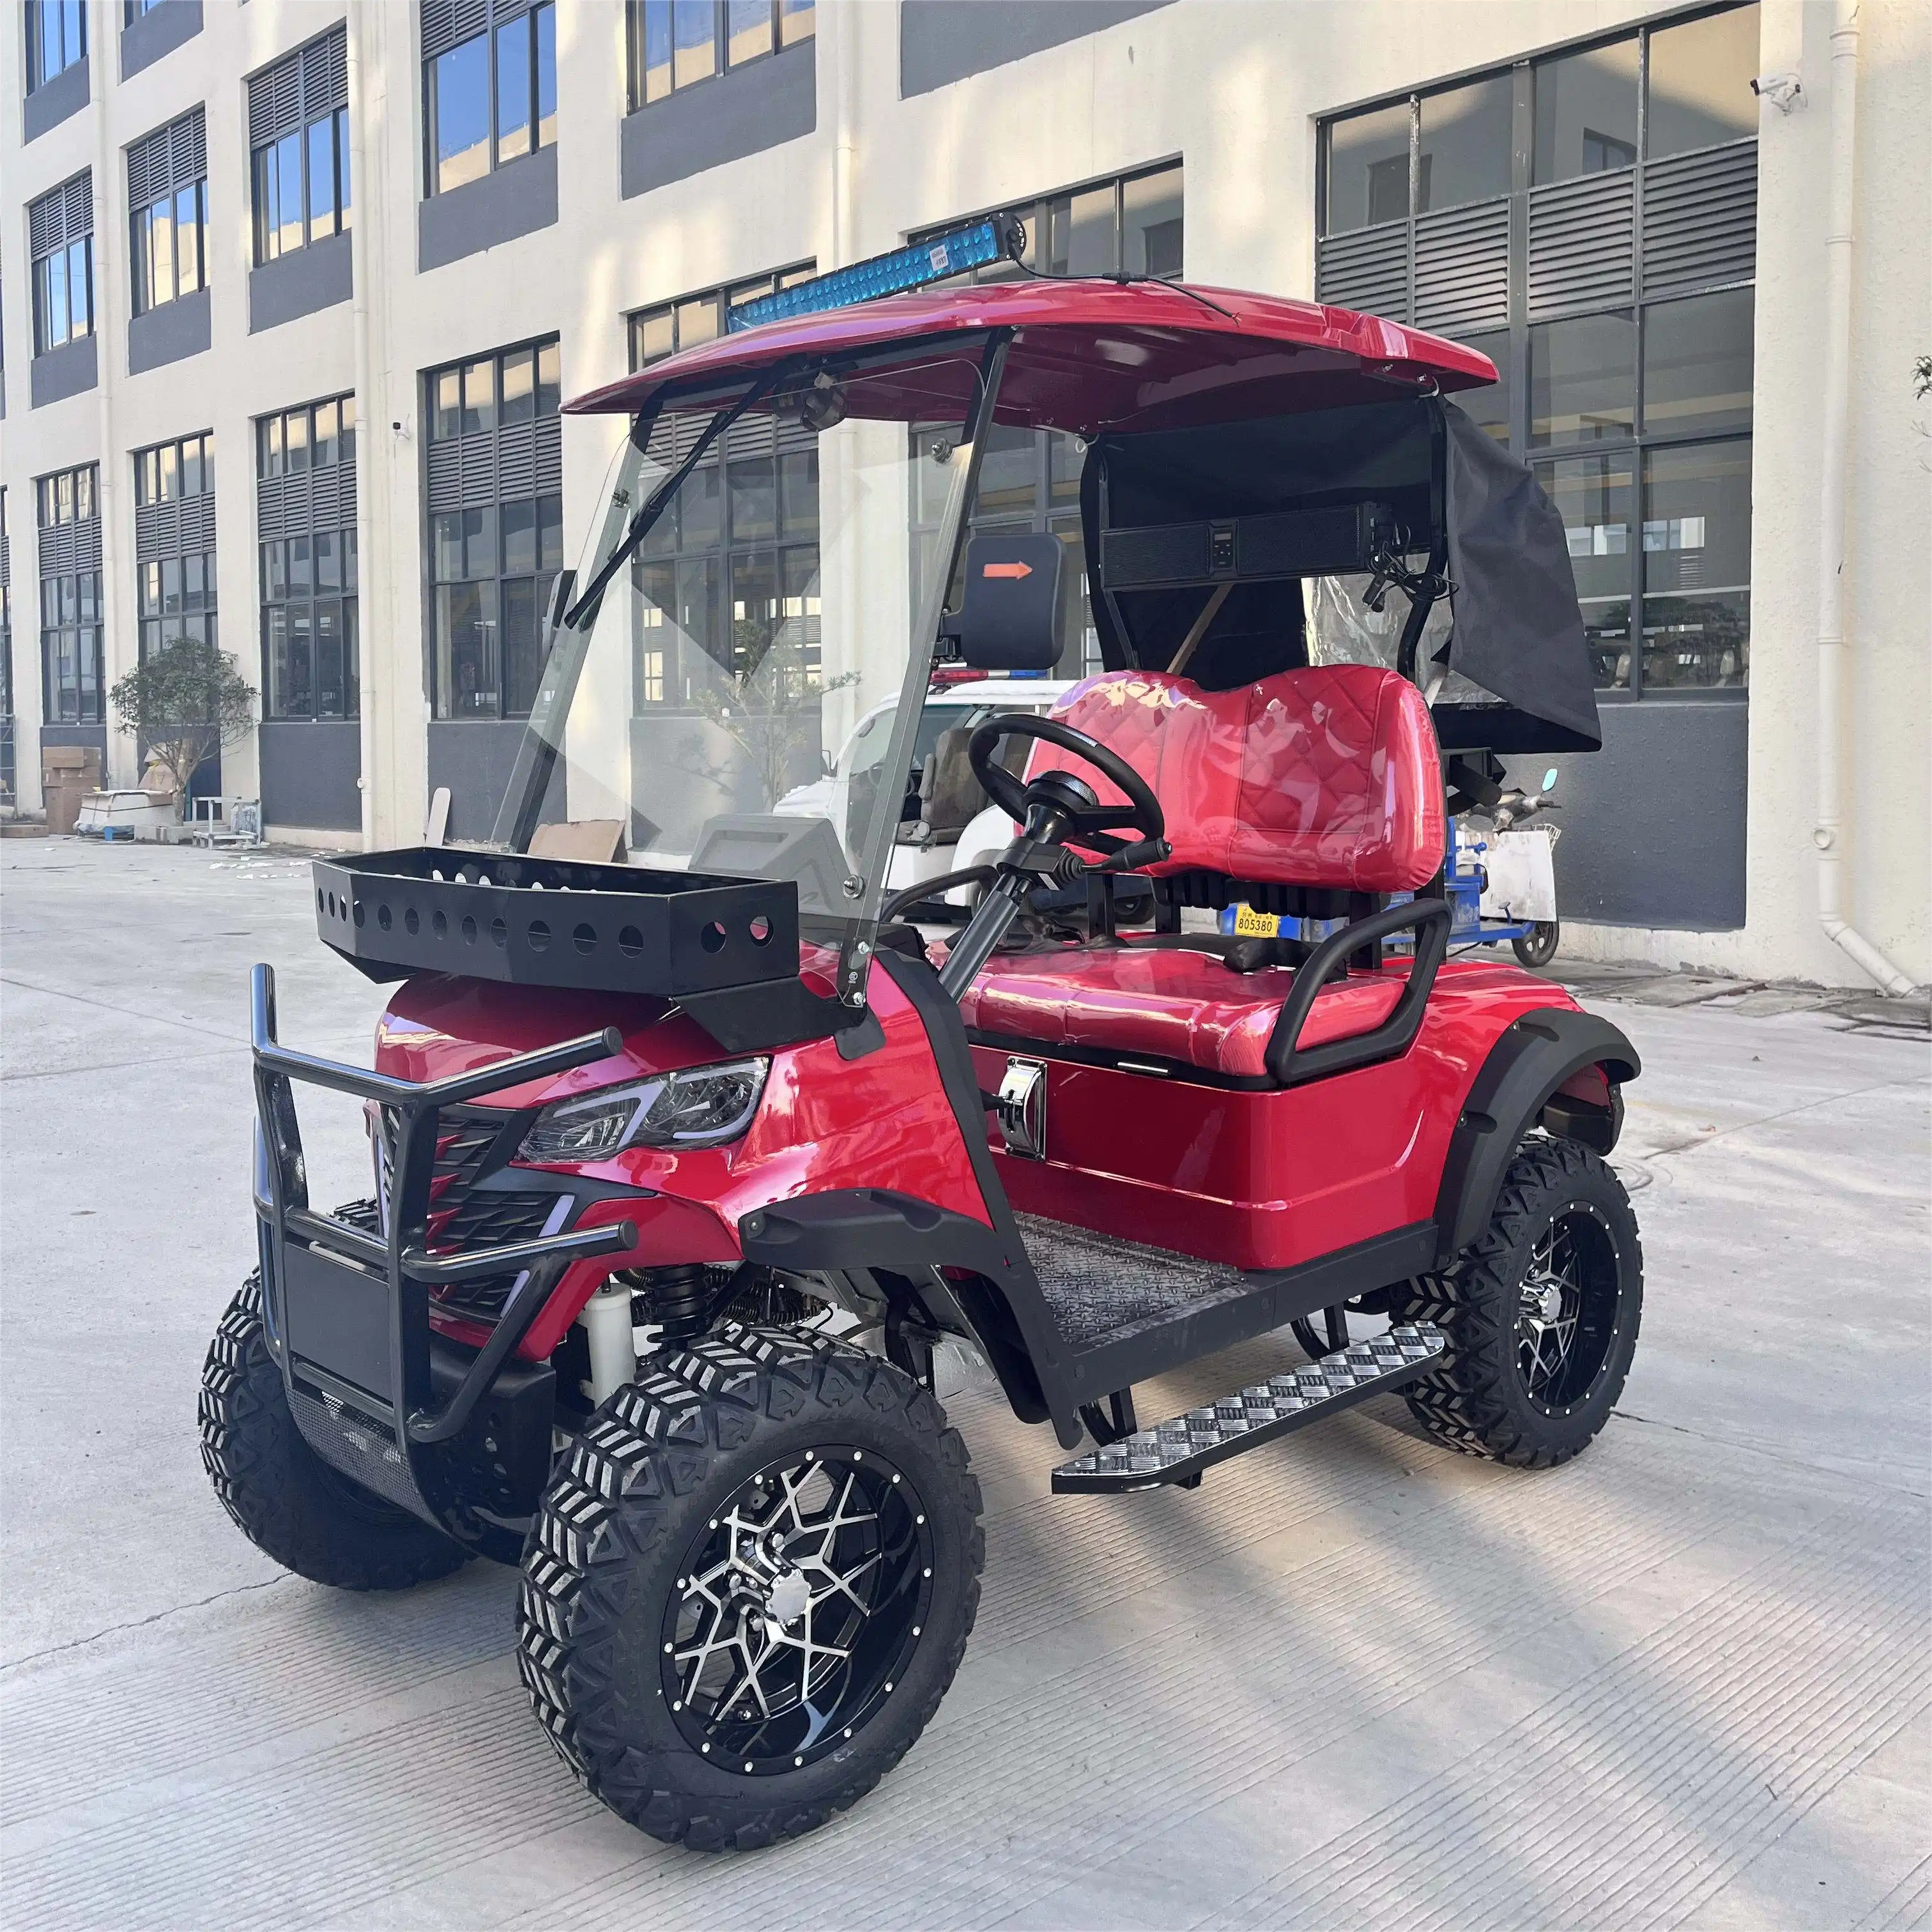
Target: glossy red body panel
(1094,354)
(1267,1180)
(1328,775)
(883,1121)
(1166,1003)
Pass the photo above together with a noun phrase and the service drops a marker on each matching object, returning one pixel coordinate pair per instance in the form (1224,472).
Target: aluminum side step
(1178,1451)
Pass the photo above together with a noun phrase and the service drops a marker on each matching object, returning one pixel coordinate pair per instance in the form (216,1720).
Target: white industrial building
(291,288)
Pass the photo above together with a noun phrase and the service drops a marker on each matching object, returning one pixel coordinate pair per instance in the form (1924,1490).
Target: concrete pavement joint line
(1907,1905)
(109,1006)
(1755,1448)
(122,1066)
(139,1623)
(1784,1114)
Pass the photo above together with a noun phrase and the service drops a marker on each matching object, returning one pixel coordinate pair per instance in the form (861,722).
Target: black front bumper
(459,1436)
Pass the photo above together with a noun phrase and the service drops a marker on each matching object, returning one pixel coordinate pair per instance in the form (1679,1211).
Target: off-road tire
(287,1500)
(613,1529)
(1476,1400)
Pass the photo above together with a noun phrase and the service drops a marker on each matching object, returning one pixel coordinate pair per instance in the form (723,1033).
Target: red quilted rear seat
(1328,776)
(1165,1003)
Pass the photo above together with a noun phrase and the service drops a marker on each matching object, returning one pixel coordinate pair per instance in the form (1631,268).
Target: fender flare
(1532,1057)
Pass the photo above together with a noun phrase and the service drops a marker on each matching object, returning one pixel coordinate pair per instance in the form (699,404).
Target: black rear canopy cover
(1245,510)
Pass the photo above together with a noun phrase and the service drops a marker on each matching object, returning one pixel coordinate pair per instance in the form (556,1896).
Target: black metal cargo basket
(556,922)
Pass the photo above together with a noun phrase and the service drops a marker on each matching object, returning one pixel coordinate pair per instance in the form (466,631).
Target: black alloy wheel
(749,1584)
(798,1610)
(1541,1313)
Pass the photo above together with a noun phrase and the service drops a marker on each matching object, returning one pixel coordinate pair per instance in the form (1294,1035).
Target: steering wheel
(1082,816)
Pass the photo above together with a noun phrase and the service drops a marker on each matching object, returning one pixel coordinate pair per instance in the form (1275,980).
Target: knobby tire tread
(277,1489)
(1467,1401)
(629,1485)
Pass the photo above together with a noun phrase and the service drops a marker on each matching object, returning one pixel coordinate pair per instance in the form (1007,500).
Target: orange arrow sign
(1005,570)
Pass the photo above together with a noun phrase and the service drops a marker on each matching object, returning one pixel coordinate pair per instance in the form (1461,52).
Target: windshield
(786,587)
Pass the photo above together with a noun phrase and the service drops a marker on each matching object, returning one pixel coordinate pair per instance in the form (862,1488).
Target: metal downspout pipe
(1836,440)
(370,450)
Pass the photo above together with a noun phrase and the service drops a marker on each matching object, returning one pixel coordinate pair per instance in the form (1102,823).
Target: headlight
(698,1106)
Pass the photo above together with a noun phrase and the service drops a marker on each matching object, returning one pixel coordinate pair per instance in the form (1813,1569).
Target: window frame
(543,574)
(498,22)
(638,13)
(53,506)
(1631,445)
(80,248)
(725,550)
(266,228)
(37,11)
(152,626)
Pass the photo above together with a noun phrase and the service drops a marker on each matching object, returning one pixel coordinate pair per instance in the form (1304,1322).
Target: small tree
(185,703)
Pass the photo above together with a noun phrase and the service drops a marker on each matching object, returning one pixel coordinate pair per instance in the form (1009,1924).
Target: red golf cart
(688,1169)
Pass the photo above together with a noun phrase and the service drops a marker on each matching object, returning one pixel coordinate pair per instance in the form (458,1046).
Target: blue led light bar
(916,267)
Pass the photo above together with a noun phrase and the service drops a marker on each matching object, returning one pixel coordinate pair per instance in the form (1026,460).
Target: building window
(1030,479)
(736,557)
(675,43)
(174,543)
(167,195)
(60,228)
(67,511)
(56,39)
(305,515)
(1617,311)
(489,96)
(136,10)
(496,526)
(298,147)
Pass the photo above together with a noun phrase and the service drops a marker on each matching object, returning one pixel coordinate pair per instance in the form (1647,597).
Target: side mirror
(1009,618)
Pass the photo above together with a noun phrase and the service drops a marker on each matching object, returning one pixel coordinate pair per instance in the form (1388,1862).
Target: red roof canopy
(1088,356)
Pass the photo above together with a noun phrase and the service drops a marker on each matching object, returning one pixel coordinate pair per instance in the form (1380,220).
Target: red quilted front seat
(1328,776)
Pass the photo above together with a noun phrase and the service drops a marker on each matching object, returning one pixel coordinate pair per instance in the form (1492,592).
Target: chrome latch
(1021,1110)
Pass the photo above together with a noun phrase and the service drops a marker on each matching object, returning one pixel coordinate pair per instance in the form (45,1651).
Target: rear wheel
(287,1501)
(1537,947)
(749,1586)
(1541,1313)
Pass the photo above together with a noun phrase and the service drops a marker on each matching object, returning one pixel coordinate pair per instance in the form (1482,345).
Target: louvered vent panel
(325,74)
(516,461)
(447,23)
(61,215)
(1368,270)
(1581,247)
(172,157)
(6,562)
(57,550)
(1700,220)
(157,532)
(325,498)
(275,102)
(197,523)
(1462,268)
(446,477)
(479,472)
(549,457)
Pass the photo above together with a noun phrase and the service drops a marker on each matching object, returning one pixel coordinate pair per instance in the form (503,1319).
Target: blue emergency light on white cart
(1499,876)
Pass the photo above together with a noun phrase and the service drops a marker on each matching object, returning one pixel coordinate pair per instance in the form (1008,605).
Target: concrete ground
(1354,1678)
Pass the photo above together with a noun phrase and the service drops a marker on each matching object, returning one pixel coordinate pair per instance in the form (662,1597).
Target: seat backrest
(1327,776)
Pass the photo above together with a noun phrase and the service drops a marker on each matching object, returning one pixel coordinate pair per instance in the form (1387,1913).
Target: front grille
(490,1219)
(464,1139)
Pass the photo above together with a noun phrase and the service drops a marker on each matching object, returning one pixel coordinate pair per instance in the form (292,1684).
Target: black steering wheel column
(1056,811)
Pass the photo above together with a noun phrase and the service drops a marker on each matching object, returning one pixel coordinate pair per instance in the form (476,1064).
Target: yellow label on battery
(1249,924)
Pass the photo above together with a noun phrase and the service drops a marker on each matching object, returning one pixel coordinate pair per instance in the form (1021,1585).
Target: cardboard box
(68,773)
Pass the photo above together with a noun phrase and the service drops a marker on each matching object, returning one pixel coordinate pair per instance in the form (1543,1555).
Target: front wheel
(748,1587)
(1541,1313)
(1537,947)
(285,1498)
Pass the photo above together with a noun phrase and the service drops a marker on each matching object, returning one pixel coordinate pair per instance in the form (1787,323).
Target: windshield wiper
(655,505)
